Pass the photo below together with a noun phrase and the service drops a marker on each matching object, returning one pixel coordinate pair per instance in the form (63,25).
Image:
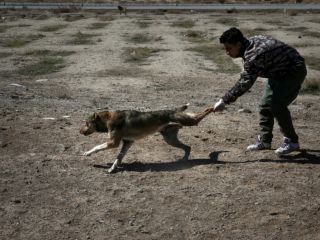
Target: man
(285,69)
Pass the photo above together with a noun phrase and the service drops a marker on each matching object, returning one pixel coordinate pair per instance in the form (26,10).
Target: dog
(128,126)
(122,10)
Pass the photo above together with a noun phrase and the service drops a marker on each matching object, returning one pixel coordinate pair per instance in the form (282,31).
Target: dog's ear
(96,116)
(105,115)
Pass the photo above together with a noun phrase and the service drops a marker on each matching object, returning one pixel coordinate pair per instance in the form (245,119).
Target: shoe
(259,145)
(287,147)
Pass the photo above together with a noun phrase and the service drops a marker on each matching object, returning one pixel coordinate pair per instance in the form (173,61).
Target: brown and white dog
(130,125)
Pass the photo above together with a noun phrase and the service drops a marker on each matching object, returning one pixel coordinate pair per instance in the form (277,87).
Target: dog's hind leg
(191,119)
(198,117)
(124,149)
(170,135)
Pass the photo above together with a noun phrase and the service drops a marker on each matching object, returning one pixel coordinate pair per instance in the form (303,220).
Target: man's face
(233,50)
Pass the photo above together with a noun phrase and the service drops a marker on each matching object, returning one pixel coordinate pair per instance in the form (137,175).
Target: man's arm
(242,85)
(247,79)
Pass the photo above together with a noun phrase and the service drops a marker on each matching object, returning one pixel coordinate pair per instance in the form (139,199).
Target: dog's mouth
(85,131)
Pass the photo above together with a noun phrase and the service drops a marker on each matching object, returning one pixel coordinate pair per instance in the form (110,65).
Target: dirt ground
(50,191)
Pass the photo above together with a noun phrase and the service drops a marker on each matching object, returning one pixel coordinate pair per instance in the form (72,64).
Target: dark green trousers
(277,95)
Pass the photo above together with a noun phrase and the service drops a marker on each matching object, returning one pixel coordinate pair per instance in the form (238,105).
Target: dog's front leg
(125,147)
(96,149)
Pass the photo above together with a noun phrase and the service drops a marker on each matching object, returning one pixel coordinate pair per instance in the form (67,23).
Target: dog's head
(97,122)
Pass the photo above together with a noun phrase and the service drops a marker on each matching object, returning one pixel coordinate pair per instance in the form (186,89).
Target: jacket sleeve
(247,79)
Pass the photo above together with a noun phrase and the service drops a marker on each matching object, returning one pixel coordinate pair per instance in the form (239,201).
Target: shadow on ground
(302,157)
(166,166)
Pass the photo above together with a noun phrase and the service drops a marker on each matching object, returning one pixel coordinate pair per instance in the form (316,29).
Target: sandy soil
(50,191)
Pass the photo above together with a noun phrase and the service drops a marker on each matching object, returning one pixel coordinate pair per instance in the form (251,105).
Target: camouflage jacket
(263,57)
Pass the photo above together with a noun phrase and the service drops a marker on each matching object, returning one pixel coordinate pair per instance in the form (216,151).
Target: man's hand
(219,106)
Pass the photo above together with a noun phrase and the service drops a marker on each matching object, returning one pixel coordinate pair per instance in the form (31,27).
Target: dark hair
(232,36)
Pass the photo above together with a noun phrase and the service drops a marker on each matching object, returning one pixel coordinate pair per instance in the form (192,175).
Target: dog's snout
(84,130)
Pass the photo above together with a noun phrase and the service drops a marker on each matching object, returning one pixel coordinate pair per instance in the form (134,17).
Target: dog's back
(133,118)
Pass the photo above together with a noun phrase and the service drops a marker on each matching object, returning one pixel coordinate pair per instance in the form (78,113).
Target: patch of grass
(41,17)
(312,34)
(52,28)
(97,25)
(277,23)
(183,24)
(253,32)
(121,71)
(106,18)
(82,38)
(143,24)
(311,86)
(20,40)
(303,31)
(146,18)
(46,53)
(73,17)
(3,28)
(5,54)
(24,25)
(45,65)
(232,22)
(217,54)
(305,44)
(313,62)
(296,29)
(292,12)
(316,20)
(139,54)
(195,36)
(66,10)
(140,38)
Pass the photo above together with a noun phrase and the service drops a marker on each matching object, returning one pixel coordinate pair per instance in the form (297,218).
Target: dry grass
(312,34)
(231,22)
(98,25)
(106,18)
(82,39)
(296,29)
(316,20)
(5,54)
(217,54)
(183,24)
(140,54)
(311,86)
(195,36)
(277,23)
(52,28)
(143,24)
(3,28)
(252,32)
(19,40)
(140,38)
(46,53)
(313,62)
(74,17)
(45,65)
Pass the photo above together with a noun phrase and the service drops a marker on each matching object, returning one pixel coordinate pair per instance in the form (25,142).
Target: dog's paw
(88,153)
(111,170)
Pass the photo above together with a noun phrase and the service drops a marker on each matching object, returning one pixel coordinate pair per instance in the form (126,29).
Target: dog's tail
(184,107)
